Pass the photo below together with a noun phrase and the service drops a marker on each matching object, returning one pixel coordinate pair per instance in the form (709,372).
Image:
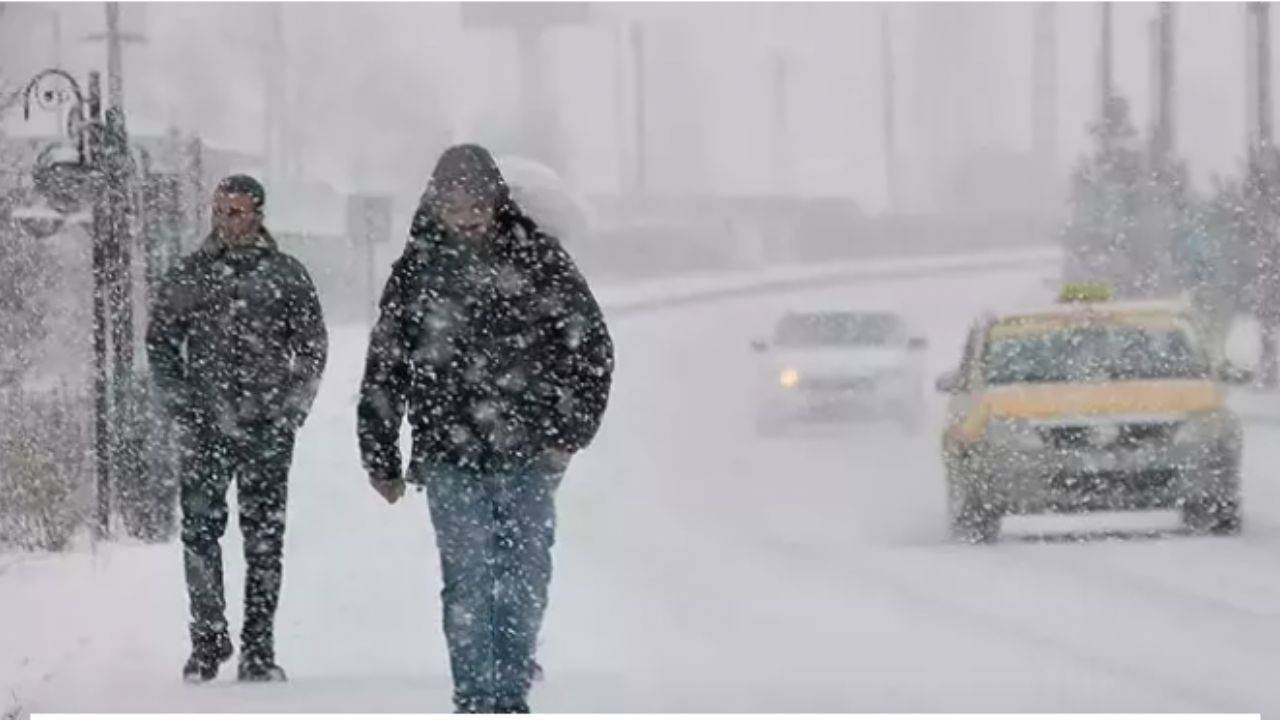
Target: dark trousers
(258,459)
(494,533)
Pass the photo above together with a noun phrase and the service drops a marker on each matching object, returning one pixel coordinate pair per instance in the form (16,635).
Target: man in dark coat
(237,344)
(492,343)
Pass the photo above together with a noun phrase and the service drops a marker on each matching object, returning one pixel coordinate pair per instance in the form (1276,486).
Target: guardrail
(651,296)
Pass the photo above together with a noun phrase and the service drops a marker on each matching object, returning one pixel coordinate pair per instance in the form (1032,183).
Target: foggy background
(368,94)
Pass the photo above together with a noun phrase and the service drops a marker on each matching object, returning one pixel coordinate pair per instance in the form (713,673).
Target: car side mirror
(949,383)
(1234,375)
(759,346)
(917,344)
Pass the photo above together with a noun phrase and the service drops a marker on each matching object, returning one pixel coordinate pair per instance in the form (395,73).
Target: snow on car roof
(1093,309)
(1155,314)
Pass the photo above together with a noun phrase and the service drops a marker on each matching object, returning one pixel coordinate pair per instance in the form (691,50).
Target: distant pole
(115,78)
(642,154)
(1263,14)
(274,120)
(1044,92)
(1163,135)
(1250,80)
(782,180)
(1104,61)
(1263,162)
(114,39)
(620,109)
(890,120)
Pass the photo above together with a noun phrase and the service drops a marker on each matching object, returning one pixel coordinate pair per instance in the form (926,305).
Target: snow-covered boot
(205,658)
(258,669)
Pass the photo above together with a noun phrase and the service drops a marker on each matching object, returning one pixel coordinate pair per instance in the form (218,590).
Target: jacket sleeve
(310,345)
(584,368)
(385,386)
(166,336)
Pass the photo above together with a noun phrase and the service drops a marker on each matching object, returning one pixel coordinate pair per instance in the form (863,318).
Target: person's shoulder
(187,266)
(289,266)
(538,245)
(415,257)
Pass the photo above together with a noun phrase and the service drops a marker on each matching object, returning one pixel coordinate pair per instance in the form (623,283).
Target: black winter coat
(495,359)
(237,338)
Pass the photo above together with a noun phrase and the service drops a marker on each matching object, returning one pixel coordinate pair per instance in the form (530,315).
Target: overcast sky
(378,89)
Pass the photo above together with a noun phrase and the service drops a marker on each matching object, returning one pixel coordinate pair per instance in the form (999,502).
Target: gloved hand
(391,489)
(558,458)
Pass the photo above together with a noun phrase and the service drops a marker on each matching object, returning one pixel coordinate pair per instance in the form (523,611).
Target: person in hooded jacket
(490,341)
(236,345)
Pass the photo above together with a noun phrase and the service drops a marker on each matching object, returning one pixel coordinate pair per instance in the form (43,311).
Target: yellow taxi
(1090,405)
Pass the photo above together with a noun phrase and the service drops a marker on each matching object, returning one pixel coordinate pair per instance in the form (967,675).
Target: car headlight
(1203,428)
(1013,435)
(789,378)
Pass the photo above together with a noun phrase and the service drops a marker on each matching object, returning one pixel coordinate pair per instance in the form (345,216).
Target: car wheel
(974,519)
(1220,516)
(1217,511)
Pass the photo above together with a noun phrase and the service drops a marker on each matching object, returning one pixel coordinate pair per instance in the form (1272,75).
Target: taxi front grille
(1124,435)
(1135,434)
(836,383)
(1065,438)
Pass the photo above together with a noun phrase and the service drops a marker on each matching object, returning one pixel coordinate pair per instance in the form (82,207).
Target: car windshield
(1092,353)
(838,329)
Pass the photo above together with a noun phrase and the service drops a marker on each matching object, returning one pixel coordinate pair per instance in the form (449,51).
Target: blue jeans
(494,533)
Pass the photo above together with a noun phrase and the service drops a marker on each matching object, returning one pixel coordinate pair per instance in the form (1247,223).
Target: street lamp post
(67,186)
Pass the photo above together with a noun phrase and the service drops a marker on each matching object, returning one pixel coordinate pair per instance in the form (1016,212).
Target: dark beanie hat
(244,185)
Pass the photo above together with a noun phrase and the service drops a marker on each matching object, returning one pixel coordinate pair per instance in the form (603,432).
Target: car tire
(973,518)
(1220,516)
(1217,511)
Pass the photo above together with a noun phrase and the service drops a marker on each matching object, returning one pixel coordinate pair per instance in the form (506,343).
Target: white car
(839,365)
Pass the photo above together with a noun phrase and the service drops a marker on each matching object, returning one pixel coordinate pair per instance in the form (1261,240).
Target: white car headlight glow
(789,378)
(1013,434)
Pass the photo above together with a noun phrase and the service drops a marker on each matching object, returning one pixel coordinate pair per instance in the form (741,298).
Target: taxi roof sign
(1084,292)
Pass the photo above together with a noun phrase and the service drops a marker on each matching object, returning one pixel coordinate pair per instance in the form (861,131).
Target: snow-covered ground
(701,569)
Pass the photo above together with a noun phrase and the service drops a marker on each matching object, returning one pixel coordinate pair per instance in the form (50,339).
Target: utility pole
(101,411)
(642,154)
(115,39)
(781,66)
(1262,171)
(1104,65)
(530,23)
(1162,131)
(118,176)
(620,105)
(1262,28)
(278,151)
(1044,97)
(113,231)
(890,120)
(115,79)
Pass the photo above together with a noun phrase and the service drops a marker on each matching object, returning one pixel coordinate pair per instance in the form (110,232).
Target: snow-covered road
(701,569)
